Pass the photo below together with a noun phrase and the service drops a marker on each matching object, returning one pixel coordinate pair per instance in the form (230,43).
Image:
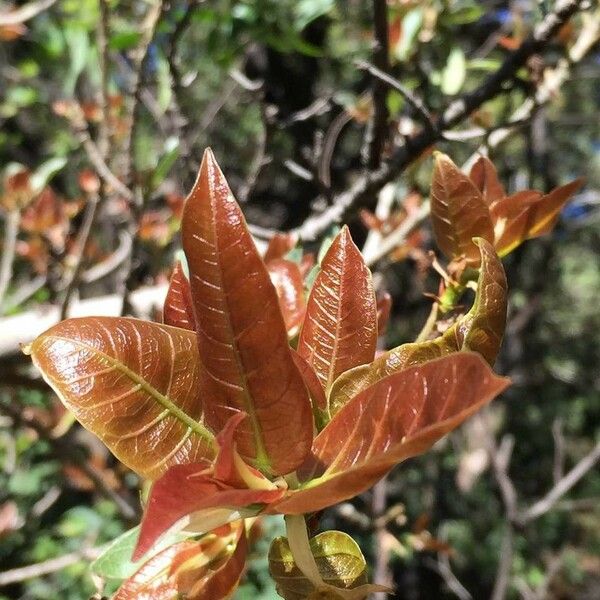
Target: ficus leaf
(458,211)
(178,309)
(135,384)
(398,417)
(338,558)
(480,330)
(340,327)
(242,338)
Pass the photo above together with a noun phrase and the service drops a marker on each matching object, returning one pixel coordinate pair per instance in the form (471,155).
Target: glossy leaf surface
(135,384)
(485,177)
(458,211)
(208,568)
(338,558)
(242,337)
(528,214)
(187,489)
(287,279)
(480,330)
(279,245)
(399,417)
(178,310)
(315,390)
(340,327)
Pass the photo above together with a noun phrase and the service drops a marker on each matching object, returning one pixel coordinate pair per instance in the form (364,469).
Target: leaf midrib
(168,404)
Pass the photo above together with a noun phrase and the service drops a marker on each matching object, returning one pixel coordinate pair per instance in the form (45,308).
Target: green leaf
(115,562)
(453,76)
(339,560)
(166,162)
(124,40)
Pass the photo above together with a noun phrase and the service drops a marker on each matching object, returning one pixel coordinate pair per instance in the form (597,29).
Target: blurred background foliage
(273,86)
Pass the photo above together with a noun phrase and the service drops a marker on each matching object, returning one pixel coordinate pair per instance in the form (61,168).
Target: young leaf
(242,338)
(458,211)
(399,417)
(339,560)
(287,279)
(528,214)
(485,177)
(197,491)
(208,568)
(279,245)
(178,310)
(480,330)
(315,390)
(135,384)
(340,326)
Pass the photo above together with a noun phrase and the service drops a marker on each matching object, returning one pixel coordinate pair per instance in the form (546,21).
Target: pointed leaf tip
(242,338)
(340,326)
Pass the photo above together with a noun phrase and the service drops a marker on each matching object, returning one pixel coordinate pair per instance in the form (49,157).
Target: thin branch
(377,128)
(546,503)
(24,13)
(368,185)
(48,566)
(507,550)
(65,451)
(11,231)
(407,94)
(78,255)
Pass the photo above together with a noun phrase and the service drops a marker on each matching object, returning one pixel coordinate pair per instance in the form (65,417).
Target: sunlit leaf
(384,308)
(340,326)
(279,245)
(242,338)
(454,73)
(183,498)
(485,177)
(178,310)
(399,417)
(458,211)
(528,214)
(287,279)
(339,560)
(208,568)
(133,383)
(315,389)
(480,330)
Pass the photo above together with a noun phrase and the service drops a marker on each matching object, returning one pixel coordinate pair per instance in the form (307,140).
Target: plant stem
(11,230)
(297,536)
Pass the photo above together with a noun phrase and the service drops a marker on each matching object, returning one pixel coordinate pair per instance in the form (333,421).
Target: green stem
(297,536)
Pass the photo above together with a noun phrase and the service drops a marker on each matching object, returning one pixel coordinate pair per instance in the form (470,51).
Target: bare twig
(558,470)
(11,230)
(67,453)
(24,13)
(381,572)
(48,566)
(564,485)
(76,258)
(507,550)
(367,186)
(409,96)
(378,125)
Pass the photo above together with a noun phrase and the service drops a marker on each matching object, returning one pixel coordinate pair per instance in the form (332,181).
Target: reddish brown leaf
(480,330)
(133,383)
(242,337)
(340,326)
(197,491)
(287,279)
(178,309)
(9,518)
(315,390)
(399,417)
(384,308)
(208,568)
(485,177)
(458,211)
(279,245)
(528,214)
